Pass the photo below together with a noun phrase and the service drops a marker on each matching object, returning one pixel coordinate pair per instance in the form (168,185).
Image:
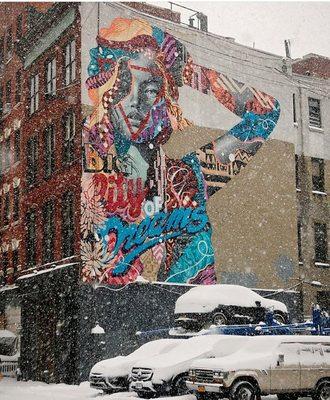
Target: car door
(311,361)
(285,372)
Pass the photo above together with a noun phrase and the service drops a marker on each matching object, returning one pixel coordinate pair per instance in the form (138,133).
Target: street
(10,389)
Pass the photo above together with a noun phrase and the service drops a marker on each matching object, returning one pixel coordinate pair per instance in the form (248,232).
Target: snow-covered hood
(118,366)
(275,304)
(166,366)
(204,299)
(236,361)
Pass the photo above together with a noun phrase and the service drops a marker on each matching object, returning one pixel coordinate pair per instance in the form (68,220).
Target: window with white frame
(34,93)
(314,109)
(70,62)
(51,77)
(68,139)
(49,151)
(321,242)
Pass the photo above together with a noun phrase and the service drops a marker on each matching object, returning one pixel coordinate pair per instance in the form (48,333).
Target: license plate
(201,389)
(138,385)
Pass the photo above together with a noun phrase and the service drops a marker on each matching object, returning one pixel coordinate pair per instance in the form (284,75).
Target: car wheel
(322,392)
(179,386)
(146,395)
(243,391)
(280,317)
(220,318)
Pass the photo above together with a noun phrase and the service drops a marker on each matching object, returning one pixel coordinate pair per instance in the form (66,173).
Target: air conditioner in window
(6,108)
(2,67)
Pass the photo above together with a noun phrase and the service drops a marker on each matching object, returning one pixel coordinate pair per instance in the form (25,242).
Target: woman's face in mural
(139,88)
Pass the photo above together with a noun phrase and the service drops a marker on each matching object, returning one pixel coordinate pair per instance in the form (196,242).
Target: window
(48,232)
(5,265)
(49,151)
(9,44)
(31,238)
(294,108)
(1,101)
(7,153)
(321,242)
(68,225)
(314,112)
(51,77)
(297,172)
(19,27)
(15,260)
(34,93)
(32,160)
(18,89)
(16,204)
(17,142)
(8,96)
(2,50)
(6,211)
(70,62)
(299,241)
(68,139)
(1,170)
(318,174)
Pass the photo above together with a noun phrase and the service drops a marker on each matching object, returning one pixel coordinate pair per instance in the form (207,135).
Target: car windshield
(8,346)
(154,347)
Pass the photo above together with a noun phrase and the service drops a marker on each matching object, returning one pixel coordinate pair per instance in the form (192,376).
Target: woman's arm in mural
(222,159)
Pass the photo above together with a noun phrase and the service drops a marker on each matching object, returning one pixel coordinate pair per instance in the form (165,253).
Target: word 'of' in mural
(140,209)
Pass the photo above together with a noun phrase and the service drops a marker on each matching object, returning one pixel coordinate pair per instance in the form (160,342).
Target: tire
(322,391)
(146,395)
(220,318)
(179,387)
(280,317)
(243,391)
(287,396)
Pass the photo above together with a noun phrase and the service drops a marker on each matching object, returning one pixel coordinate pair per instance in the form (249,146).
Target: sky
(267,24)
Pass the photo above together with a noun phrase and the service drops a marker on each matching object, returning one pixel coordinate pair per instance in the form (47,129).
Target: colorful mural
(142,210)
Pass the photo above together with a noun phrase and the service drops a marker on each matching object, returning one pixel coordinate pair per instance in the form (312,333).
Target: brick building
(270,243)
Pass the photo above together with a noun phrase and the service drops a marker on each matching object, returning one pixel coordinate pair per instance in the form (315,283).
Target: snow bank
(10,389)
(203,299)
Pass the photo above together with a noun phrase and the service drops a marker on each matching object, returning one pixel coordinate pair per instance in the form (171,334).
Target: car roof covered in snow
(258,352)
(205,298)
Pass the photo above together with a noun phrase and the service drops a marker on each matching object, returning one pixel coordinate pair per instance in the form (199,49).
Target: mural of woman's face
(139,88)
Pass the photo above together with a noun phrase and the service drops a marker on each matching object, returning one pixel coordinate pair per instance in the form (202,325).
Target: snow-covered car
(207,305)
(9,353)
(167,373)
(289,366)
(111,375)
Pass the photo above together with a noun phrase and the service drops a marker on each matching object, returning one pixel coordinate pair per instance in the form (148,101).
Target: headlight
(220,374)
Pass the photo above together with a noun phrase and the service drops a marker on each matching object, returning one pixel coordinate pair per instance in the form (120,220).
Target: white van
(289,366)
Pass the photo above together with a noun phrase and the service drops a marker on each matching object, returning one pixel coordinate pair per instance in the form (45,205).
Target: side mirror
(280,359)
(258,303)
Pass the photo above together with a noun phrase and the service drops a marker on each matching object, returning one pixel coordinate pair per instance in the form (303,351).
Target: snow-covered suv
(167,372)
(205,305)
(289,366)
(112,375)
